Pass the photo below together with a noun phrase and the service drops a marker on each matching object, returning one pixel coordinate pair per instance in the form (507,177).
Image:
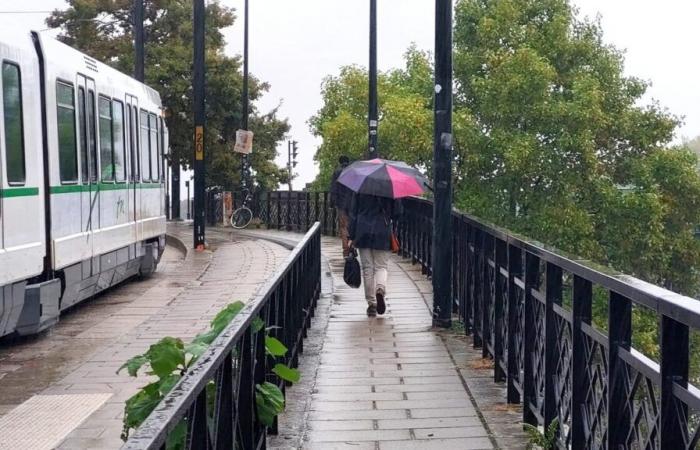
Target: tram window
(83,135)
(118,139)
(146,169)
(92,136)
(106,150)
(65,106)
(155,148)
(161,140)
(12,108)
(133,135)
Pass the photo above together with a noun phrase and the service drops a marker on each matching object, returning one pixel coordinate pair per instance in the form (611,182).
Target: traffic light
(295,152)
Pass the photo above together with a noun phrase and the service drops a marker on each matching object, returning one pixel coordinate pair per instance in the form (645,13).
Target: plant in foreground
(538,439)
(169,360)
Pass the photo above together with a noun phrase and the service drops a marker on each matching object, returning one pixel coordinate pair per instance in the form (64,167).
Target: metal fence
(292,211)
(530,309)
(224,417)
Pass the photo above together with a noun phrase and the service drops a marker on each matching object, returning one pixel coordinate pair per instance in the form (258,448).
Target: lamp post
(372,117)
(199,122)
(138,40)
(244,106)
(442,166)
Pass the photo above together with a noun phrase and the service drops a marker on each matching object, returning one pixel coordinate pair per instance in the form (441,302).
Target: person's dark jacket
(371,221)
(341,195)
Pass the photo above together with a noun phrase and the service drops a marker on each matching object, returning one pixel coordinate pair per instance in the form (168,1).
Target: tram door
(132,106)
(89,175)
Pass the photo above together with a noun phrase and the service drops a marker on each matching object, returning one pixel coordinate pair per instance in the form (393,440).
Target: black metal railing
(530,309)
(216,398)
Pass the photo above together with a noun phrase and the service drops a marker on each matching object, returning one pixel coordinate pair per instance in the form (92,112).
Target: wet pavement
(391,382)
(79,357)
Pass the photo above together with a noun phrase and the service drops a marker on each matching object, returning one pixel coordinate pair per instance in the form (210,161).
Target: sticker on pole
(244,142)
(199,143)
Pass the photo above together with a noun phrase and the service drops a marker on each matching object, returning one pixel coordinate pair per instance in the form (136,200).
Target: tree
(104,30)
(405,118)
(563,153)
(550,140)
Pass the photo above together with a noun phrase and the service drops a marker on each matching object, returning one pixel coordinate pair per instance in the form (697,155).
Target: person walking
(341,199)
(370,233)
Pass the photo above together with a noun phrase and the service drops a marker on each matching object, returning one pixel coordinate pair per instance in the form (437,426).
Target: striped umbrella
(392,179)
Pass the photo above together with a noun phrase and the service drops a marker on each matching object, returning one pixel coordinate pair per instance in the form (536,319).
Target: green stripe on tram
(73,188)
(19,192)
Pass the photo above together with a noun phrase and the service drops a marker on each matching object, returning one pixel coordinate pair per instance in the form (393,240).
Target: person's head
(344,160)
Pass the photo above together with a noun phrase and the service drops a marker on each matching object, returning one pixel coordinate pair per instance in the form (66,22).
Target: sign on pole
(244,142)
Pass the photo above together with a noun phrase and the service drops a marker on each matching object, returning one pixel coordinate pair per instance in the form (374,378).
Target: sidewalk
(83,408)
(379,383)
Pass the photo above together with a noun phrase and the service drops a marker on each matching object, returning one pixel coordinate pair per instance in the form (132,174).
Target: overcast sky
(295,44)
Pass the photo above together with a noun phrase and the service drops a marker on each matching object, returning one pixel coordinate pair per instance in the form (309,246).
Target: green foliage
(544,441)
(103,30)
(269,401)
(169,359)
(404,98)
(552,141)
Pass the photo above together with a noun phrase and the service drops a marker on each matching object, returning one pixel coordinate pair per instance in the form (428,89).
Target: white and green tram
(82,179)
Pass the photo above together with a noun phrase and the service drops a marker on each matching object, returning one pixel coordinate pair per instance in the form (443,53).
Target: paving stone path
(379,383)
(179,301)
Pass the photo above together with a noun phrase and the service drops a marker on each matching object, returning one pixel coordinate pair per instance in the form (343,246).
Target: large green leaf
(269,402)
(274,347)
(166,355)
(225,316)
(167,383)
(287,373)
(134,364)
(140,405)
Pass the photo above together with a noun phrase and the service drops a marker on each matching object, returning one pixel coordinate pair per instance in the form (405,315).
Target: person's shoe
(381,305)
(371,311)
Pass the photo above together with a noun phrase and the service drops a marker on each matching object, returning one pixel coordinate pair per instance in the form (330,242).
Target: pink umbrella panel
(392,179)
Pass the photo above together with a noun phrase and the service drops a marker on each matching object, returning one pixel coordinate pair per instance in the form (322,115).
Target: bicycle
(242,216)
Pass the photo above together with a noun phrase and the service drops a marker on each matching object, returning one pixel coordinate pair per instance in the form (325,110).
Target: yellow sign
(199,143)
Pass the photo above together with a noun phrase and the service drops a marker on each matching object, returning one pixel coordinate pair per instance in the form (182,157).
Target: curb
(176,242)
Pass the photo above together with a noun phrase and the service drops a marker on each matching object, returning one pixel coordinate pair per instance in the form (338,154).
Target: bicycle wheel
(241,217)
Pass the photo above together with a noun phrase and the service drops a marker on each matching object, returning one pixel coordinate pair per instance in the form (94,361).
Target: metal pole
(442,209)
(175,190)
(289,164)
(244,115)
(189,214)
(373,115)
(199,122)
(138,40)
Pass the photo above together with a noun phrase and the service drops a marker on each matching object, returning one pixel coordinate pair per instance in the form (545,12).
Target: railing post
(486,294)
(268,219)
(198,434)
(532,268)
(515,269)
(500,260)
(478,338)
(580,381)
(279,210)
(245,408)
(469,322)
(224,406)
(307,223)
(620,335)
(553,295)
(259,372)
(674,370)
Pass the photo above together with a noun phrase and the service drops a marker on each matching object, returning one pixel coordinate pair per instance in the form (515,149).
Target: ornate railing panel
(530,309)
(216,398)
(510,294)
